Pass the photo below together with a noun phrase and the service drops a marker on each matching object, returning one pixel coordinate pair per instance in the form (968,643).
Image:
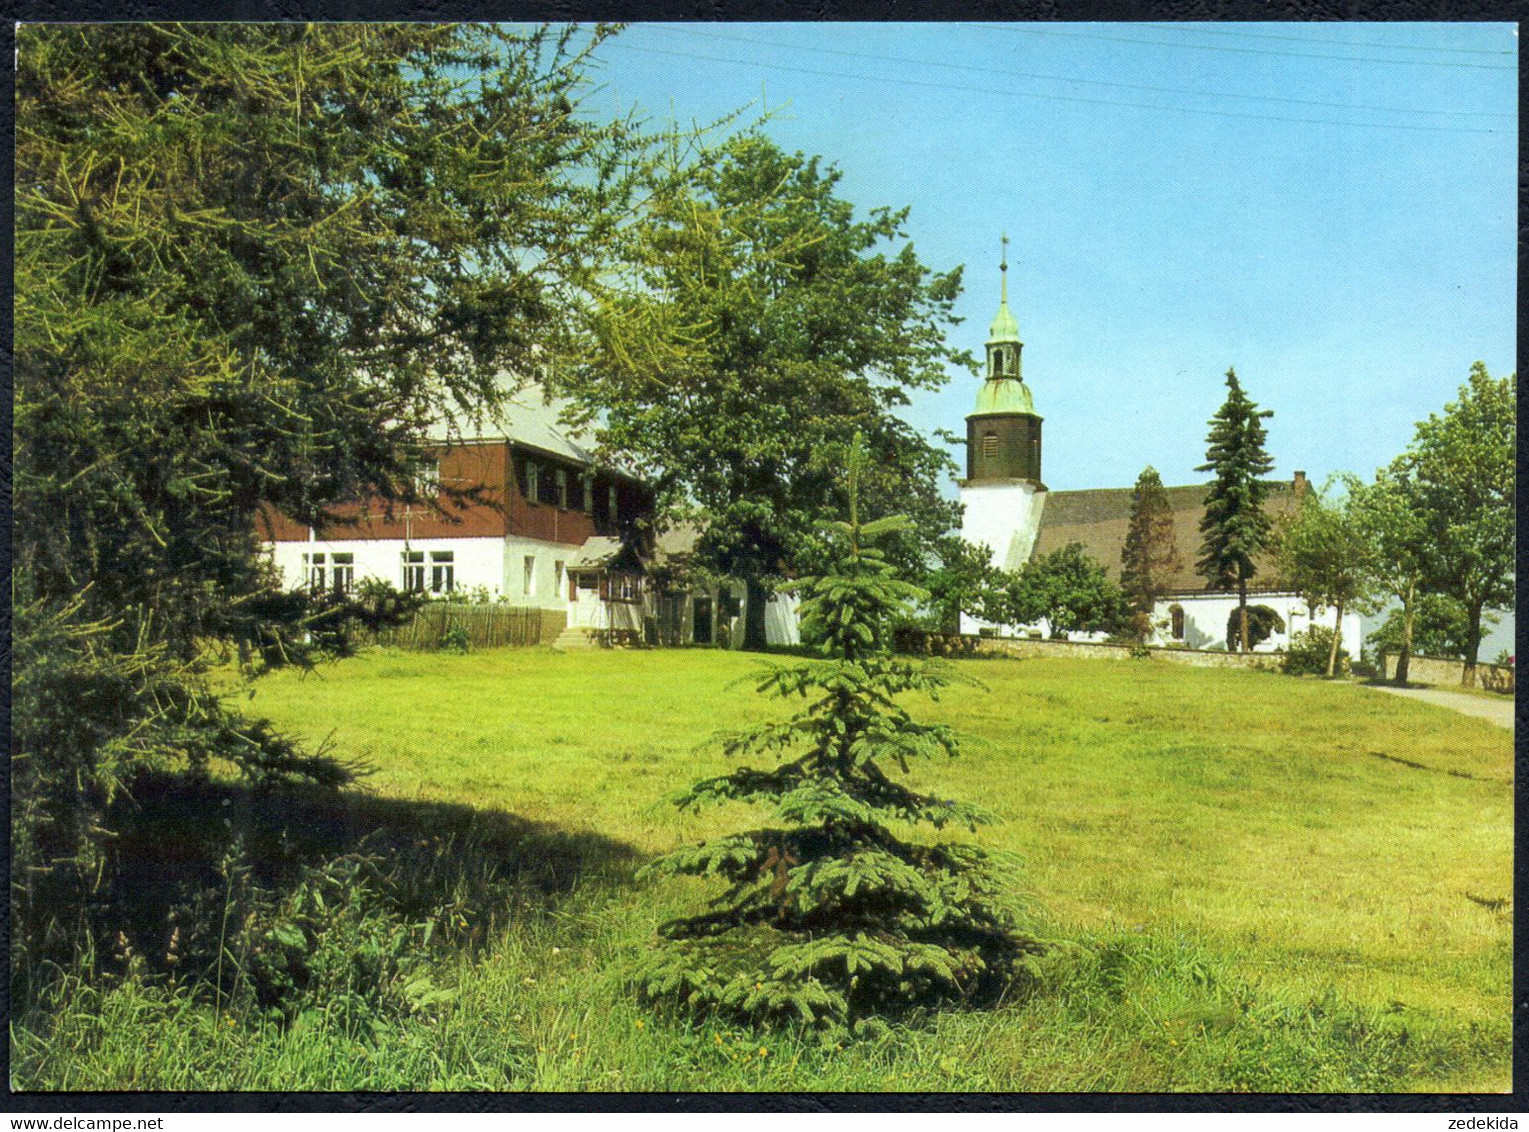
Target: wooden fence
(486,626)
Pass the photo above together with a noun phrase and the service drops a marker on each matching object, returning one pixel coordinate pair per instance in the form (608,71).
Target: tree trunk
(1242,615)
(1472,646)
(1332,653)
(1409,613)
(754,638)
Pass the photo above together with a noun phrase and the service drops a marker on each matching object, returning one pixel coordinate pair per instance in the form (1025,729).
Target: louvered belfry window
(990,444)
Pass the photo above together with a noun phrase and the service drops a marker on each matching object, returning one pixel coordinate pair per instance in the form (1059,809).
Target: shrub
(1308,652)
(1262,622)
(455,639)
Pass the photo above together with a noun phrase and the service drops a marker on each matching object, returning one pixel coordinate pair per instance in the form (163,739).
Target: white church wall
(1005,517)
(1205,622)
(1206,616)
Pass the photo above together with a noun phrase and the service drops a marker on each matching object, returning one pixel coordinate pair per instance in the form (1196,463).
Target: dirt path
(1494,710)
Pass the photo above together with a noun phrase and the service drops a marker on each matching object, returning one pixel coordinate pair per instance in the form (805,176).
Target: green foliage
(1463,467)
(763,323)
(1310,653)
(1235,526)
(964,581)
(829,916)
(1325,553)
(253,261)
(1070,590)
(329,944)
(1149,557)
(455,639)
(1441,628)
(1389,515)
(1262,621)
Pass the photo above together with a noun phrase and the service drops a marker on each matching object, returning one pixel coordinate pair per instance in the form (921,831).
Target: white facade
(1206,617)
(1004,517)
(524,572)
(472,561)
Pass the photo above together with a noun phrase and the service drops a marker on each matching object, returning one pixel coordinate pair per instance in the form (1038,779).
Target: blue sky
(1328,207)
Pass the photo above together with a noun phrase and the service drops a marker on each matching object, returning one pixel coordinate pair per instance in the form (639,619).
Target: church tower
(1002,492)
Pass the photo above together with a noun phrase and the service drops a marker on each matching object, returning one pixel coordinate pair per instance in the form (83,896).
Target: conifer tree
(1235,525)
(830,916)
(1150,556)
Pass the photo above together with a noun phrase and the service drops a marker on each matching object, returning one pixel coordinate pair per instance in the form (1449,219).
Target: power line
(1046,97)
(1240,34)
(1028,29)
(1083,82)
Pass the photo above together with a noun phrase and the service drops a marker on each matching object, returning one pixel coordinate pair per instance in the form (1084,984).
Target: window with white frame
(344,573)
(442,571)
(427,478)
(533,481)
(313,571)
(562,488)
(589,494)
(558,570)
(413,571)
(529,585)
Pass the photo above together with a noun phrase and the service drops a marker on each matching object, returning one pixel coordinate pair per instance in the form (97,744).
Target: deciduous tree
(1463,463)
(1388,512)
(964,581)
(1325,556)
(767,322)
(1067,588)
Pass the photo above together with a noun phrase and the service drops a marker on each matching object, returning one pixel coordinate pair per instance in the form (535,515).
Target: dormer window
(427,478)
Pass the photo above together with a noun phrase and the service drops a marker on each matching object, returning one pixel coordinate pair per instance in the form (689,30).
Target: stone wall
(1428,670)
(1003,646)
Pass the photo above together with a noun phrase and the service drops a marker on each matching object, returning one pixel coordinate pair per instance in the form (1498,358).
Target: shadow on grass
(181,846)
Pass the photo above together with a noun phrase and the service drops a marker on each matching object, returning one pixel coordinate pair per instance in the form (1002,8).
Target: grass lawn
(1256,882)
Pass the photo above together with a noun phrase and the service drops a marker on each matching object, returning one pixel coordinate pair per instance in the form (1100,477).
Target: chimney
(1299,484)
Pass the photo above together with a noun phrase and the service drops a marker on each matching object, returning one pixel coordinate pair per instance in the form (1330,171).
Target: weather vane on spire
(1003,266)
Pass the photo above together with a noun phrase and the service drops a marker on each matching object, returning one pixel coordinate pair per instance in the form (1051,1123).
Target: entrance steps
(574,637)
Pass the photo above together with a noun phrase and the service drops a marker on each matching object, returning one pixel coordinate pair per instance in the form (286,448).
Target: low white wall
(1205,621)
